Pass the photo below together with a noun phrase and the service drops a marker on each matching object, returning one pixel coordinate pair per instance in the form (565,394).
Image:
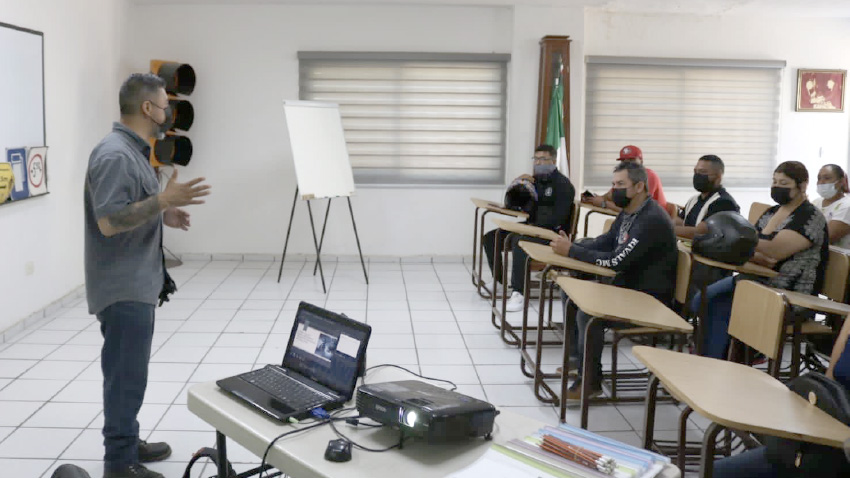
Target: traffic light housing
(179,81)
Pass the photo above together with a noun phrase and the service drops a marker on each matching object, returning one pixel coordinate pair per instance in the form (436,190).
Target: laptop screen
(327,348)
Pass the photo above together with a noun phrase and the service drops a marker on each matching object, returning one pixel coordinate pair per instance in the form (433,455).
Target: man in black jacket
(640,247)
(555,195)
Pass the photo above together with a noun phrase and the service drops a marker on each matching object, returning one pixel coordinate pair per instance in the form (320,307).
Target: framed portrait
(820,90)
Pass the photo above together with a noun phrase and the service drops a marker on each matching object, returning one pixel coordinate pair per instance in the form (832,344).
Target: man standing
(124,213)
(632,154)
(555,196)
(712,198)
(640,247)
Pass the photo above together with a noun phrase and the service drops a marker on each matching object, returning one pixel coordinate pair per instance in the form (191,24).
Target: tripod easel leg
(324,226)
(357,238)
(316,244)
(288,230)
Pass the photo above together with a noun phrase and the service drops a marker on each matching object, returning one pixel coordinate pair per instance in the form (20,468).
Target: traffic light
(179,81)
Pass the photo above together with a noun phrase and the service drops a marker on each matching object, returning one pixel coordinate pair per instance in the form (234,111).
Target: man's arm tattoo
(135,214)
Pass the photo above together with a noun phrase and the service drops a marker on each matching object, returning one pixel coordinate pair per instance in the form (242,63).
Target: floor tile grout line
(463,338)
(186,384)
(265,342)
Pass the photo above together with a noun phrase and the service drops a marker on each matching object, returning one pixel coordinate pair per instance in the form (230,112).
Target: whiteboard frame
(43,104)
(307,195)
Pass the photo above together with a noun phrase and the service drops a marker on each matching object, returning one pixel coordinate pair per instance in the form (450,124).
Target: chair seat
(640,331)
(811,327)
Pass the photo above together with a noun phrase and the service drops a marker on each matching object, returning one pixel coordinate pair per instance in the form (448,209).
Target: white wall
(245,59)
(801,42)
(82,48)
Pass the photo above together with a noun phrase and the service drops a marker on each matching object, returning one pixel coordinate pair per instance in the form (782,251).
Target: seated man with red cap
(631,154)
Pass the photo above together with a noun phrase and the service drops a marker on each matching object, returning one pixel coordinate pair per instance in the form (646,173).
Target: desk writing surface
(600,210)
(544,253)
(491,206)
(741,397)
(302,455)
(748,268)
(812,302)
(525,229)
(619,303)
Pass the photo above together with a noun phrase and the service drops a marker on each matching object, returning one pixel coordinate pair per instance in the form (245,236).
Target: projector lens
(410,418)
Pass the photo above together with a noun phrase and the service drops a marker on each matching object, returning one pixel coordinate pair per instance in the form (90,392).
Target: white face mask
(828,190)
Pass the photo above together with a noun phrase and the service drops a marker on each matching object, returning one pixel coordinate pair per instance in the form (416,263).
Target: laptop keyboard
(285,388)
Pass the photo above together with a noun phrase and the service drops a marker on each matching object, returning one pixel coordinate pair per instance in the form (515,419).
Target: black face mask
(702,183)
(781,195)
(620,198)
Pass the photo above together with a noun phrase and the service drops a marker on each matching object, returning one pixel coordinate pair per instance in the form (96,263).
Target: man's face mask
(702,183)
(166,125)
(543,169)
(620,197)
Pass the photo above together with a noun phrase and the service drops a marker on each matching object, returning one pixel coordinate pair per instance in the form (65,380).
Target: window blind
(415,118)
(678,110)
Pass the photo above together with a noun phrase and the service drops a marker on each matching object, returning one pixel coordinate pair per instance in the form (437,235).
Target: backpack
(809,459)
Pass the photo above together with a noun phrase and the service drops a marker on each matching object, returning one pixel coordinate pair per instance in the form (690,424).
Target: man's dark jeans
(127,329)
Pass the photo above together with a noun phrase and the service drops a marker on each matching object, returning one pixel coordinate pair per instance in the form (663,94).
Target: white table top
(302,455)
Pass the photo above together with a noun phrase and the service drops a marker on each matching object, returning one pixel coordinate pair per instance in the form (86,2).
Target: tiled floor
(229,317)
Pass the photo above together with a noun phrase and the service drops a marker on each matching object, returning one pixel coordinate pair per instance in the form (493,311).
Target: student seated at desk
(712,198)
(834,204)
(632,154)
(640,247)
(555,195)
(754,463)
(792,241)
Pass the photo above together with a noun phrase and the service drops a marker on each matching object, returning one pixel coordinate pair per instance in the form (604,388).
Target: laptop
(325,355)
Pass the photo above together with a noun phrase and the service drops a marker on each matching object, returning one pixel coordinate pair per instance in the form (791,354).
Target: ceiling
(797,8)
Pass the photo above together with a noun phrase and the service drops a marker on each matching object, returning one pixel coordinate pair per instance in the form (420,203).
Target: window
(677,110)
(415,118)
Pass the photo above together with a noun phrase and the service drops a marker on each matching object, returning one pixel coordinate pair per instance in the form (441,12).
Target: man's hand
(183,194)
(596,200)
(176,218)
(562,244)
(526,176)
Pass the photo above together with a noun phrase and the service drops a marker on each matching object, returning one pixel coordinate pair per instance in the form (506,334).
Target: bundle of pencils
(579,455)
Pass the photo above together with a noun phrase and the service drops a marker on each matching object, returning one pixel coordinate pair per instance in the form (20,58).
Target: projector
(423,410)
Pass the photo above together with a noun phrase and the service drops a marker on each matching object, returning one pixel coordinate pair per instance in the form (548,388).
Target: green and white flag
(555,123)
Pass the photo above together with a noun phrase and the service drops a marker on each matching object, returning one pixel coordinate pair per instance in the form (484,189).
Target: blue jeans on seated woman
(750,464)
(716,321)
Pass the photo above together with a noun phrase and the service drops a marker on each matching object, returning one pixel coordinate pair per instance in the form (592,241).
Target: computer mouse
(338,450)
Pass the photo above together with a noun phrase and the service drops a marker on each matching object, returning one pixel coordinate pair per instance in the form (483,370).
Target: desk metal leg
(649,416)
(221,448)
(706,469)
(476,241)
(479,282)
(586,373)
(682,444)
(586,221)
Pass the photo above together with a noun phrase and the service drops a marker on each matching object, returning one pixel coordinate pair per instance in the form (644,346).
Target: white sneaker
(515,302)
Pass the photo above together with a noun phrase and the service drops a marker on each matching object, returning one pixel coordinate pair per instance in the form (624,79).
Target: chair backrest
(683,277)
(607,225)
(756,210)
(836,275)
(758,317)
(575,211)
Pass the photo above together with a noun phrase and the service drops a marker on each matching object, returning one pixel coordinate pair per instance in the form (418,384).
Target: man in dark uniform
(555,196)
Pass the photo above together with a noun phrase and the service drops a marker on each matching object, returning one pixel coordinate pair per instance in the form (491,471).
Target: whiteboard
(322,167)
(21,88)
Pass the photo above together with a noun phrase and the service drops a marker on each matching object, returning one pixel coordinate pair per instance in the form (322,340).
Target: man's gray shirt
(128,265)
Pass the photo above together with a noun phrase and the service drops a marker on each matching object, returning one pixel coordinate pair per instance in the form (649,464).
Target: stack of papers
(525,458)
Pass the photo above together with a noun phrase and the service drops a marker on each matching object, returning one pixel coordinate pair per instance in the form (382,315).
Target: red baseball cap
(630,152)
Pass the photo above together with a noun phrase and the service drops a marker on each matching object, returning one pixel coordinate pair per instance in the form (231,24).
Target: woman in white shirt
(835,204)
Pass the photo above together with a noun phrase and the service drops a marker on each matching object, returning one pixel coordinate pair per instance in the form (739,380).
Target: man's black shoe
(150,452)
(133,471)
